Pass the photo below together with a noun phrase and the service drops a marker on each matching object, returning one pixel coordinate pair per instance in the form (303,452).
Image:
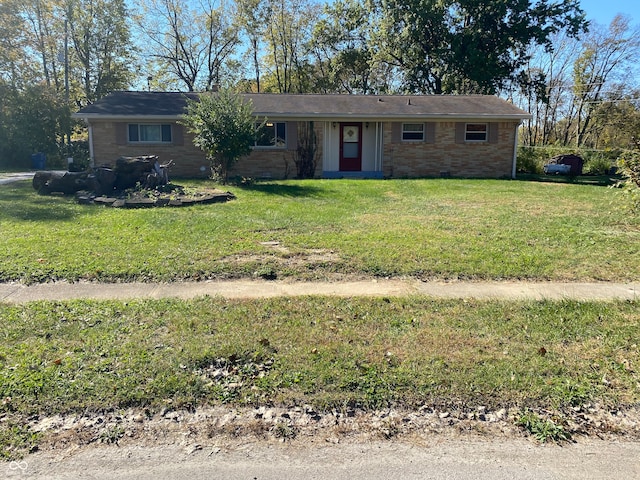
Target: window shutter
(430,132)
(460,129)
(166,132)
(493,133)
(292,135)
(121,133)
(178,134)
(396,132)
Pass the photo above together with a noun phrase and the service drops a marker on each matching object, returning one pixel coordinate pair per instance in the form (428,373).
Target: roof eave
(100,116)
(394,116)
(321,116)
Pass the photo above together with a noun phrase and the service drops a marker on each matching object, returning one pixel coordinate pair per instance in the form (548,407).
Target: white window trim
(486,132)
(402,132)
(150,142)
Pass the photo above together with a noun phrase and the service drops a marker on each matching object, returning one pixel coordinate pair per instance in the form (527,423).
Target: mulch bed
(166,196)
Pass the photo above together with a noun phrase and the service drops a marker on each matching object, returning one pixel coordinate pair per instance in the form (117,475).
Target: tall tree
(606,57)
(102,50)
(192,41)
(343,49)
(288,31)
(468,46)
(47,34)
(547,92)
(14,64)
(252,19)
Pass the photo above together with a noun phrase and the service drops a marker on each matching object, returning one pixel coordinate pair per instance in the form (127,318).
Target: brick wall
(400,159)
(190,161)
(275,162)
(446,157)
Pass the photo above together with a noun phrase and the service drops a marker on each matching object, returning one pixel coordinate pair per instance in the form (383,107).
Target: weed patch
(544,430)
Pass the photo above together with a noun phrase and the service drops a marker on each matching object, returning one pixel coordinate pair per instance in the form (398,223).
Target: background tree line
(575,78)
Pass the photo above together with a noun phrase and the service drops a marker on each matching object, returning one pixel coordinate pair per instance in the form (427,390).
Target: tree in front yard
(224,128)
(629,163)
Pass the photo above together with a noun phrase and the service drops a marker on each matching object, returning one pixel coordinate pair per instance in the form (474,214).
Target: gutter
(125,118)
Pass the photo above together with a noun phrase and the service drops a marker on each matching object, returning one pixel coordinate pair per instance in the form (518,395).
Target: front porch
(352,149)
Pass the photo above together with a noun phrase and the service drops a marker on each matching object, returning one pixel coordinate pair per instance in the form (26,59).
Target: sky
(603,11)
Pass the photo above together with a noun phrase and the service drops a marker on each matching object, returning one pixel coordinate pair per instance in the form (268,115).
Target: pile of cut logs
(129,172)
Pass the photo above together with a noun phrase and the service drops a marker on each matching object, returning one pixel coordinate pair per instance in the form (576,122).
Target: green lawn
(76,356)
(443,228)
(85,356)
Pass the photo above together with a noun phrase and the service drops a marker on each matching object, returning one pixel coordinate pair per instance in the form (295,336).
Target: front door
(350,147)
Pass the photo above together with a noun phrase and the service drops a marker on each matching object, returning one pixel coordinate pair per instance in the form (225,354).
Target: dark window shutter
(178,134)
(121,133)
(396,132)
(166,133)
(292,135)
(430,132)
(460,129)
(493,133)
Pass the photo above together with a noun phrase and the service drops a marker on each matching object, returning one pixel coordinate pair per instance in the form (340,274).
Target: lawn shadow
(19,201)
(286,190)
(595,180)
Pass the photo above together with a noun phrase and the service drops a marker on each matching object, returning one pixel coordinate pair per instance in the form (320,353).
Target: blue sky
(603,11)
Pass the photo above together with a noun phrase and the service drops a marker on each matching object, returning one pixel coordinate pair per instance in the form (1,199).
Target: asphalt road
(438,459)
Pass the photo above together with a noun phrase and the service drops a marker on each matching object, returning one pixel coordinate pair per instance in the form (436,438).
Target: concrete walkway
(18,293)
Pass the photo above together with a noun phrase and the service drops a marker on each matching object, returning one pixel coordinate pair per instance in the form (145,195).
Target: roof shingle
(172,104)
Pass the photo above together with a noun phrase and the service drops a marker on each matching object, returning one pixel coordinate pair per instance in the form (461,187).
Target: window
(475,132)
(413,131)
(272,134)
(152,133)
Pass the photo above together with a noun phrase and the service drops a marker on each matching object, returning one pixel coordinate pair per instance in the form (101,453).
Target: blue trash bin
(38,161)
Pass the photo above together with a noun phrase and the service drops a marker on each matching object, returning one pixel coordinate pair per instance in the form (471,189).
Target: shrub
(224,128)
(78,150)
(597,165)
(629,164)
(529,160)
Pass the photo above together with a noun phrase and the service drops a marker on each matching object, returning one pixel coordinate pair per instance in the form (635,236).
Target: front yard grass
(79,357)
(306,230)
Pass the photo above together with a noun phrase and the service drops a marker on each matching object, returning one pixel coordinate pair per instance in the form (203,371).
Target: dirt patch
(221,425)
(282,257)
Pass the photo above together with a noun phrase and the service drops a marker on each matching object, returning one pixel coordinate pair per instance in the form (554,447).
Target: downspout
(515,151)
(378,166)
(92,160)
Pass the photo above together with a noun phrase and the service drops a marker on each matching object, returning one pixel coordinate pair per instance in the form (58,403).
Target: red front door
(350,147)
